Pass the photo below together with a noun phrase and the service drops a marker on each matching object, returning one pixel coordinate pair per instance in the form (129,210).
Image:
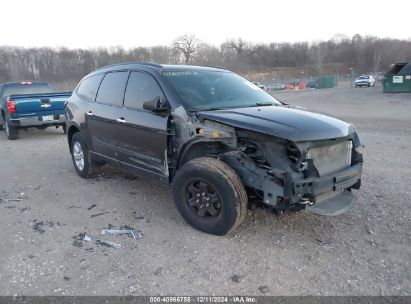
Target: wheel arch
(200,148)
(70,132)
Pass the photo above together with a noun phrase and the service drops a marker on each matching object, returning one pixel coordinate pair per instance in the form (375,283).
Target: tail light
(11,106)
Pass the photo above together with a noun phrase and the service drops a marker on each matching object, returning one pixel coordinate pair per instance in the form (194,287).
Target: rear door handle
(89,113)
(121,120)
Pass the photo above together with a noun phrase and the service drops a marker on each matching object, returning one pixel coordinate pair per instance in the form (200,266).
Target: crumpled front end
(314,175)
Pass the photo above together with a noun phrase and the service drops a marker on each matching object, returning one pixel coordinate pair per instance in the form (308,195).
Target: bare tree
(65,67)
(188,45)
(239,45)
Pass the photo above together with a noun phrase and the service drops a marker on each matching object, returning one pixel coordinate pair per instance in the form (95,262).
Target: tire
(11,131)
(221,205)
(64,128)
(42,128)
(80,155)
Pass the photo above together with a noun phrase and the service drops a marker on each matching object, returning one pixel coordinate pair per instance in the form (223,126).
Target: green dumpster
(327,82)
(398,79)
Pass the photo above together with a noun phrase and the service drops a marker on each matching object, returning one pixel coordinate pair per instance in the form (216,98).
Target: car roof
(154,67)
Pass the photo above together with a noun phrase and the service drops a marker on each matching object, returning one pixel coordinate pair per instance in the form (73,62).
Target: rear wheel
(81,157)
(210,196)
(12,132)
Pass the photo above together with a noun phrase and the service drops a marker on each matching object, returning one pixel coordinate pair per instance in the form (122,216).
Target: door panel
(103,129)
(142,143)
(104,113)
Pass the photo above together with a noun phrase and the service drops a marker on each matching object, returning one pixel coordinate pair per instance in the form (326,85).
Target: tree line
(363,54)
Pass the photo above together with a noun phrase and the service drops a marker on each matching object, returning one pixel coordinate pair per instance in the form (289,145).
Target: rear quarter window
(89,86)
(112,88)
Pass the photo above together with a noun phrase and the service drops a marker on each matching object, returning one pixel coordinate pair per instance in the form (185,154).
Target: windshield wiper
(264,104)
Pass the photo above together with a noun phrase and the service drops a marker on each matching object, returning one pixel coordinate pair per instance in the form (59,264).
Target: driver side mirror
(158,104)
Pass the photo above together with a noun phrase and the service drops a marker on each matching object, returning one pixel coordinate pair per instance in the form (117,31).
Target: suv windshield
(211,90)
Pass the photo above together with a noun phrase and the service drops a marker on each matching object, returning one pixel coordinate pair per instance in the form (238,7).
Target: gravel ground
(366,251)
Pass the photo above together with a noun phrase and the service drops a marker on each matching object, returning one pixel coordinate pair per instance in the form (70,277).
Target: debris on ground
(108,244)
(326,245)
(77,243)
(38,226)
(23,209)
(71,207)
(98,214)
(85,237)
(263,289)
(22,195)
(78,239)
(158,270)
(137,216)
(91,207)
(123,230)
(236,278)
(14,200)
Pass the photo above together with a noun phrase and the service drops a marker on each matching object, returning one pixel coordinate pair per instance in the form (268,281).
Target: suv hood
(283,122)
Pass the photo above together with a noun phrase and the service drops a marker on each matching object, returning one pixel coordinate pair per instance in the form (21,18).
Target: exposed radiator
(332,158)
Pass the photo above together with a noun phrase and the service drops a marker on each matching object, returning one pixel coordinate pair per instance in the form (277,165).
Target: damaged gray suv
(217,138)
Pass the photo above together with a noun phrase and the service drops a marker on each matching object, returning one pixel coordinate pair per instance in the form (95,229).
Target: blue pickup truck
(30,104)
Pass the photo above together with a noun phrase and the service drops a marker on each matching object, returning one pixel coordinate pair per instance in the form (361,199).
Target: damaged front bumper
(285,188)
(329,195)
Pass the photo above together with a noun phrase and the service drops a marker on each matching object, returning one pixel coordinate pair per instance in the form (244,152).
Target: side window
(112,88)
(89,86)
(141,87)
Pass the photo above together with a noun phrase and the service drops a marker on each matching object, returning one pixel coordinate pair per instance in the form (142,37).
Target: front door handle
(89,113)
(121,120)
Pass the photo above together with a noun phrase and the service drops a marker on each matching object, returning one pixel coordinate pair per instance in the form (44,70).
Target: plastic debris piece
(132,232)
(87,238)
(108,244)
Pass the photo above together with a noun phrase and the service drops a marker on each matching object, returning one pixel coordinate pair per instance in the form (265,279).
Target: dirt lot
(367,251)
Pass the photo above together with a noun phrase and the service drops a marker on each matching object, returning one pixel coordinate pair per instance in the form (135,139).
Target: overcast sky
(128,23)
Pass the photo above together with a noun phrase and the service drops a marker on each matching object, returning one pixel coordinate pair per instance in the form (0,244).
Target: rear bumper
(25,122)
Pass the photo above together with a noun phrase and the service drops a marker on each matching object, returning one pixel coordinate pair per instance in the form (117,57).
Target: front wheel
(210,196)
(12,132)
(81,157)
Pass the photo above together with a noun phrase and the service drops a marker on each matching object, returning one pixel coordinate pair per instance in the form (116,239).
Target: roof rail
(131,62)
